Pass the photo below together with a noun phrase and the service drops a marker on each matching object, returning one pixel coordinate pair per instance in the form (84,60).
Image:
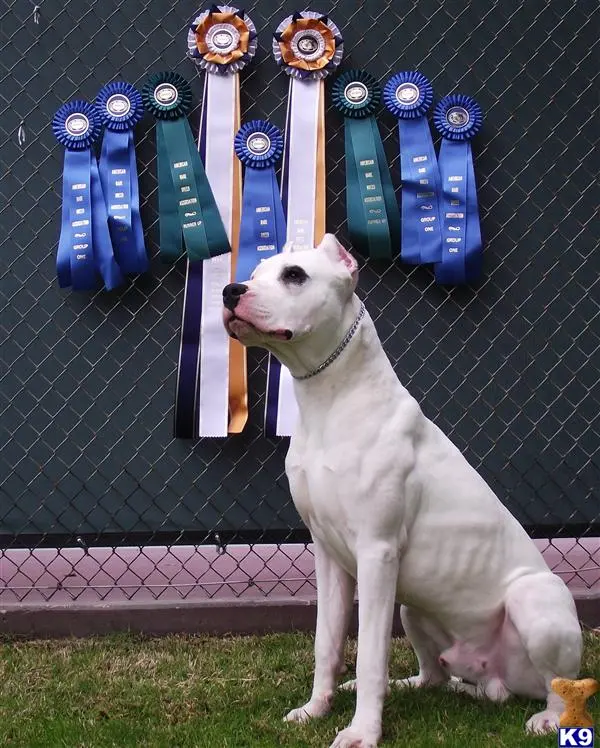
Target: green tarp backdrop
(510,370)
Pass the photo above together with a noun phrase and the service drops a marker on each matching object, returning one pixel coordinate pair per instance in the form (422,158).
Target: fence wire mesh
(99,501)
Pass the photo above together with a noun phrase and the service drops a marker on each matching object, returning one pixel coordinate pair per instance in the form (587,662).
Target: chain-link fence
(508,369)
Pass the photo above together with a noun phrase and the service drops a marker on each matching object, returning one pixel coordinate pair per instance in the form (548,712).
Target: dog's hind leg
(428,641)
(335,596)
(542,610)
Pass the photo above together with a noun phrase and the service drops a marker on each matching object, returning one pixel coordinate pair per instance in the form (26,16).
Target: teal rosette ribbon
(371,205)
(119,107)
(458,119)
(258,145)
(408,96)
(84,246)
(188,214)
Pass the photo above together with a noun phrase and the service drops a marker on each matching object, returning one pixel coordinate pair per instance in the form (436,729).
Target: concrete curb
(217,617)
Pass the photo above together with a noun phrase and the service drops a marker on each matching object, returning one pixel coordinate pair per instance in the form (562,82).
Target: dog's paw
(415,681)
(313,708)
(543,723)
(355,737)
(298,715)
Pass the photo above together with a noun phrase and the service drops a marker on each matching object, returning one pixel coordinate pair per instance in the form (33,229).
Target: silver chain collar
(347,338)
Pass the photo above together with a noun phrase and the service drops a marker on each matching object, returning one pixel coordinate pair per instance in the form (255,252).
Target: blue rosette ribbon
(371,205)
(408,96)
(85,247)
(259,145)
(119,107)
(188,213)
(458,118)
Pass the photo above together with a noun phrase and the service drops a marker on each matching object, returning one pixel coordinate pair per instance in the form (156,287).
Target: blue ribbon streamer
(75,265)
(421,236)
(103,249)
(461,232)
(458,118)
(262,228)
(84,246)
(408,96)
(259,145)
(118,173)
(262,235)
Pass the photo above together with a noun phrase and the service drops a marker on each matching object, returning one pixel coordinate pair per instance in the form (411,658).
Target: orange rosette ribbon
(308,45)
(222,39)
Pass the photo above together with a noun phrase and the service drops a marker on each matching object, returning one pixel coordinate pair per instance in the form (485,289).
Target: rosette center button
(407,93)
(77,124)
(118,105)
(356,92)
(258,143)
(222,38)
(458,116)
(308,45)
(165,93)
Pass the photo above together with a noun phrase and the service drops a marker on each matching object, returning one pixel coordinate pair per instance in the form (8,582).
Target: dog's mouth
(238,328)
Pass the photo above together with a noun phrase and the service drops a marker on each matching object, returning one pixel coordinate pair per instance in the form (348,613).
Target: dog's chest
(327,497)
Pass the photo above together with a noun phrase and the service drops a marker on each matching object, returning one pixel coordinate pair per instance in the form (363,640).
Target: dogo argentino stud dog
(391,504)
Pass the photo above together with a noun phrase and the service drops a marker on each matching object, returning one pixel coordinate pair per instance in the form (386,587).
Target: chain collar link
(338,351)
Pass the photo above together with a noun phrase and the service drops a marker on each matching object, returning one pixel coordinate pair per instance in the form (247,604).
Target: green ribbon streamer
(171,240)
(371,205)
(188,218)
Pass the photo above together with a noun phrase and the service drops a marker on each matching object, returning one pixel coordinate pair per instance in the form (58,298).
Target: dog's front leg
(377,579)
(335,595)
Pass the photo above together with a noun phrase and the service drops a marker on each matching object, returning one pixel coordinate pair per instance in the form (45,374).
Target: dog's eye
(294,274)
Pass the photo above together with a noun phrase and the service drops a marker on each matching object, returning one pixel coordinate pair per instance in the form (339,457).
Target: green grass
(223,693)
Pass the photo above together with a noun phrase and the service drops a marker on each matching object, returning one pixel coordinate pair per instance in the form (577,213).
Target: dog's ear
(336,253)
(288,247)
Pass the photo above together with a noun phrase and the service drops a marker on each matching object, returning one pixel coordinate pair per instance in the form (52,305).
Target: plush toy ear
(336,253)
(288,247)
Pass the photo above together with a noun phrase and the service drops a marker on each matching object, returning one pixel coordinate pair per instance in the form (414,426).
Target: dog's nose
(232,293)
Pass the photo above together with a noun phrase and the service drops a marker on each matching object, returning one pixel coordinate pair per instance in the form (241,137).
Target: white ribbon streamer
(301,176)
(213,396)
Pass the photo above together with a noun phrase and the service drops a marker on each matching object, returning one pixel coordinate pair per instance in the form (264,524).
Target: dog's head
(291,297)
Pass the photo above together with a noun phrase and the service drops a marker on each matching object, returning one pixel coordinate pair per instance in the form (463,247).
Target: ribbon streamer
(308,46)
(188,213)
(371,205)
(458,118)
(259,145)
(84,247)
(221,40)
(120,108)
(408,96)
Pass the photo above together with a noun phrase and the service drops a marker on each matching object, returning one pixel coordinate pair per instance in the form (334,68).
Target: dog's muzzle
(232,293)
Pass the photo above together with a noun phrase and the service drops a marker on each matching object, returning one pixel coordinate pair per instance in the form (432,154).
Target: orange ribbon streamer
(238,366)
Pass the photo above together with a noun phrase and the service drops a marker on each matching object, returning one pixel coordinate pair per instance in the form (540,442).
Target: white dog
(393,505)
